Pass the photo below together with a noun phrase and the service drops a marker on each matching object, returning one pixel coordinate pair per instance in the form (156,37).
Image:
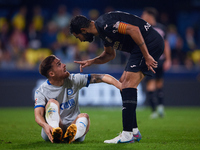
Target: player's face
(88,37)
(59,69)
(85,37)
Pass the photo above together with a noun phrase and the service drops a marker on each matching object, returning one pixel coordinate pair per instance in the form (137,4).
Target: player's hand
(48,130)
(151,63)
(84,63)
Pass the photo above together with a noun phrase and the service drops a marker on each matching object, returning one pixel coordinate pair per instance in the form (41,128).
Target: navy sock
(129,99)
(160,95)
(152,100)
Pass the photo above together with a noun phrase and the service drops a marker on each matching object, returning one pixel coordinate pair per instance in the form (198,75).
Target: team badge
(69,91)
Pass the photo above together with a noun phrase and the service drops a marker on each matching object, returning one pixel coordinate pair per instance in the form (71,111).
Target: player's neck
(56,82)
(93,29)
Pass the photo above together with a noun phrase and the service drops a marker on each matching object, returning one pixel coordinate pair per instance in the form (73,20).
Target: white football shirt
(66,95)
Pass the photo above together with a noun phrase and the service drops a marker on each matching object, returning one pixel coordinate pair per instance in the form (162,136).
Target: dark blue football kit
(111,26)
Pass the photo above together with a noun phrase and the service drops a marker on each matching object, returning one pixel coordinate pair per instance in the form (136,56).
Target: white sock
(81,124)
(135,130)
(52,116)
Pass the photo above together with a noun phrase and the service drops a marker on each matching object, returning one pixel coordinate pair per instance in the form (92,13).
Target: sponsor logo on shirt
(68,105)
(108,39)
(116,45)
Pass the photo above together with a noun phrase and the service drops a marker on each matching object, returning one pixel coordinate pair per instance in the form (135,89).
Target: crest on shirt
(116,26)
(69,91)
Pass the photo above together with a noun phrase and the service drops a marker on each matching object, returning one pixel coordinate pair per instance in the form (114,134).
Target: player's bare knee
(53,101)
(83,115)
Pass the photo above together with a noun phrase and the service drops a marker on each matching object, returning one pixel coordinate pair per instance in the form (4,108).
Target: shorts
(159,72)
(137,62)
(45,137)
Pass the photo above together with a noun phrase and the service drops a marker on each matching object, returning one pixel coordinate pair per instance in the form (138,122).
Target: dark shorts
(159,71)
(137,63)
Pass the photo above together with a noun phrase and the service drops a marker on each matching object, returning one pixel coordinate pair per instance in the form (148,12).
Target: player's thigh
(132,79)
(122,77)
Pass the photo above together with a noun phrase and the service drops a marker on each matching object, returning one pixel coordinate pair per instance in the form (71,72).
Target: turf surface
(178,130)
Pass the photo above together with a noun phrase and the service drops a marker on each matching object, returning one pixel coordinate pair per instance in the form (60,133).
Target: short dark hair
(79,22)
(152,11)
(46,65)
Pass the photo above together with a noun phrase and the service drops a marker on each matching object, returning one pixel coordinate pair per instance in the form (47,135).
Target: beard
(88,37)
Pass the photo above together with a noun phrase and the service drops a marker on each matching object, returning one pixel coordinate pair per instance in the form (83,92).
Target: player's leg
(160,96)
(129,98)
(151,95)
(159,87)
(78,129)
(52,116)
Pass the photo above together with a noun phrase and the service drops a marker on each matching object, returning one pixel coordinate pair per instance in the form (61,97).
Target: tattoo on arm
(96,78)
(141,44)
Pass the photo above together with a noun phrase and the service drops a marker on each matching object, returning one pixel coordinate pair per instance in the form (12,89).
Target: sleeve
(40,100)
(82,80)
(114,27)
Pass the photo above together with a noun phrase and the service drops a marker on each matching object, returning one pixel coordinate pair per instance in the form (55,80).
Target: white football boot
(124,137)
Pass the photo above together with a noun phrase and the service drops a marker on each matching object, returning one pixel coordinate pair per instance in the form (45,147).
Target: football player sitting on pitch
(56,101)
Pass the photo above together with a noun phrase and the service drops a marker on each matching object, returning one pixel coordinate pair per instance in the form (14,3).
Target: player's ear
(83,30)
(51,73)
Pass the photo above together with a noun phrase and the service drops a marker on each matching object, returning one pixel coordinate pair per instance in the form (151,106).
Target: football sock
(52,116)
(81,124)
(160,95)
(129,99)
(135,130)
(152,100)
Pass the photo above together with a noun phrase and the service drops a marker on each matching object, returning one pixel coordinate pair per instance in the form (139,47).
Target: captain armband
(122,28)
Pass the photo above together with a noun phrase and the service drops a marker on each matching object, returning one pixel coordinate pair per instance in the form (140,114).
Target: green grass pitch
(178,130)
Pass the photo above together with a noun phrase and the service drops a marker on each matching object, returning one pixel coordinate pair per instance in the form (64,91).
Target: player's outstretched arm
(97,78)
(107,55)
